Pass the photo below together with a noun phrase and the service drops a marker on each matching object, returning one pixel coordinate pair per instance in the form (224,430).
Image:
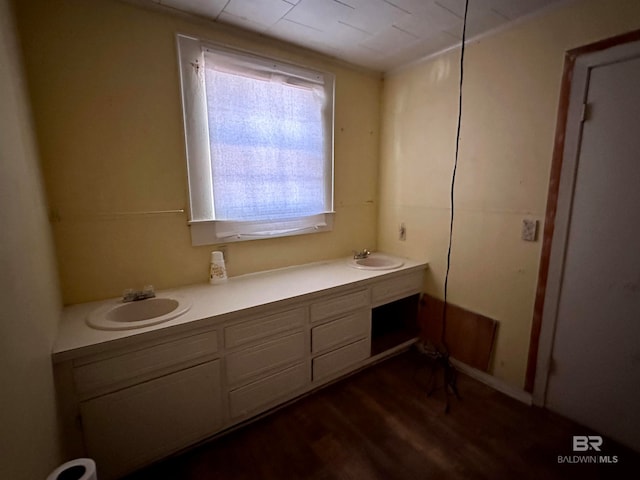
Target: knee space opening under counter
(258,340)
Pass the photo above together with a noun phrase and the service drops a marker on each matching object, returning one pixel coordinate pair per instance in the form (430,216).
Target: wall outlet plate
(529,230)
(402,232)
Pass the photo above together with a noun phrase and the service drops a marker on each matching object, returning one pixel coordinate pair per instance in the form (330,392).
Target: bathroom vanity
(130,397)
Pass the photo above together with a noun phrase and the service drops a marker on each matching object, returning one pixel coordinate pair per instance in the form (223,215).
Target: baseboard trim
(493,382)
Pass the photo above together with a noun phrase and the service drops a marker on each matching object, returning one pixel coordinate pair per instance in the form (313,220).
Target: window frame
(205,228)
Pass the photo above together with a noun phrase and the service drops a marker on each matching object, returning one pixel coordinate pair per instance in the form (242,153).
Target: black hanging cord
(453,180)
(440,354)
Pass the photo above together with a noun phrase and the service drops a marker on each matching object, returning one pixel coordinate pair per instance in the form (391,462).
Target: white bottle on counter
(217,271)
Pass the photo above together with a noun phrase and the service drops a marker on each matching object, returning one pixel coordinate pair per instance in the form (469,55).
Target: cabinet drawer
(341,304)
(247,332)
(250,398)
(340,359)
(133,367)
(396,288)
(350,327)
(134,426)
(262,358)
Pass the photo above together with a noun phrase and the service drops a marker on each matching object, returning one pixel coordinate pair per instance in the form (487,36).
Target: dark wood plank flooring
(380,424)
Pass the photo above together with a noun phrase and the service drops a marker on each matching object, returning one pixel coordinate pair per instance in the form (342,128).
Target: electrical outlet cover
(529,230)
(402,232)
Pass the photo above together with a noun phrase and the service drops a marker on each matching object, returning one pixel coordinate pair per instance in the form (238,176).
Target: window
(259,137)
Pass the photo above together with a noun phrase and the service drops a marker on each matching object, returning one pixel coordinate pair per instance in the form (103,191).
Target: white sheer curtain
(259,144)
(266,142)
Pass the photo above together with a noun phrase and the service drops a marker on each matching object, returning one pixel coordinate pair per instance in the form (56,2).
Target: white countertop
(240,293)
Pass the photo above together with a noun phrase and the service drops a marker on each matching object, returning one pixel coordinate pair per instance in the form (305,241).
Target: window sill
(211,232)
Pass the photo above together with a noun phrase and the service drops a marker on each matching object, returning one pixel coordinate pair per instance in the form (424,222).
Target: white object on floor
(78,469)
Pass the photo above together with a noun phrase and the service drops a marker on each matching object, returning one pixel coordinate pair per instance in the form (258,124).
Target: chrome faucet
(363,254)
(131,295)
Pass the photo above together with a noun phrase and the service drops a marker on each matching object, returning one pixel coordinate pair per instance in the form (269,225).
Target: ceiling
(376,34)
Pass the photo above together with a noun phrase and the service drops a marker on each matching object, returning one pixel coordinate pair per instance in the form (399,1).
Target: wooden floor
(379,424)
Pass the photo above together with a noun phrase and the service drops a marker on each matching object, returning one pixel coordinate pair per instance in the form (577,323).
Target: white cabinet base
(134,426)
(142,400)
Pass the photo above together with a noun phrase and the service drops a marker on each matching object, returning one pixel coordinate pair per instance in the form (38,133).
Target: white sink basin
(376,261)
(117,315)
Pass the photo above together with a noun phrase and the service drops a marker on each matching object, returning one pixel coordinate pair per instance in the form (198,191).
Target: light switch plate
(529,230)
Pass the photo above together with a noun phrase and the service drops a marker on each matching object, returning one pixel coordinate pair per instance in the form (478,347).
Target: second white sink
(376,261)
(117,315)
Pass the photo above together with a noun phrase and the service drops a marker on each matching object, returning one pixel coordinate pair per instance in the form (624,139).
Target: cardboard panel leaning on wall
(104,80)
(510,98)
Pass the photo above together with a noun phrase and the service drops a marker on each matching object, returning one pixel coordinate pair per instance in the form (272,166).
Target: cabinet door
(131,427)
(340,331)
(257,396)
(402,286)
(340,304)
(340,360)
(260,359)
(109,374)
(268,326)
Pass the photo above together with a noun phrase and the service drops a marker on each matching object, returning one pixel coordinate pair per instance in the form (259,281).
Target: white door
(594,377)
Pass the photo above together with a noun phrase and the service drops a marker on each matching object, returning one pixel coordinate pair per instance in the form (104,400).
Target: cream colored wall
(511,90)
(104,80)
(29,294)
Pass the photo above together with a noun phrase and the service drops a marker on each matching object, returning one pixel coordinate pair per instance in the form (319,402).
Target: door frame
(573,91)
